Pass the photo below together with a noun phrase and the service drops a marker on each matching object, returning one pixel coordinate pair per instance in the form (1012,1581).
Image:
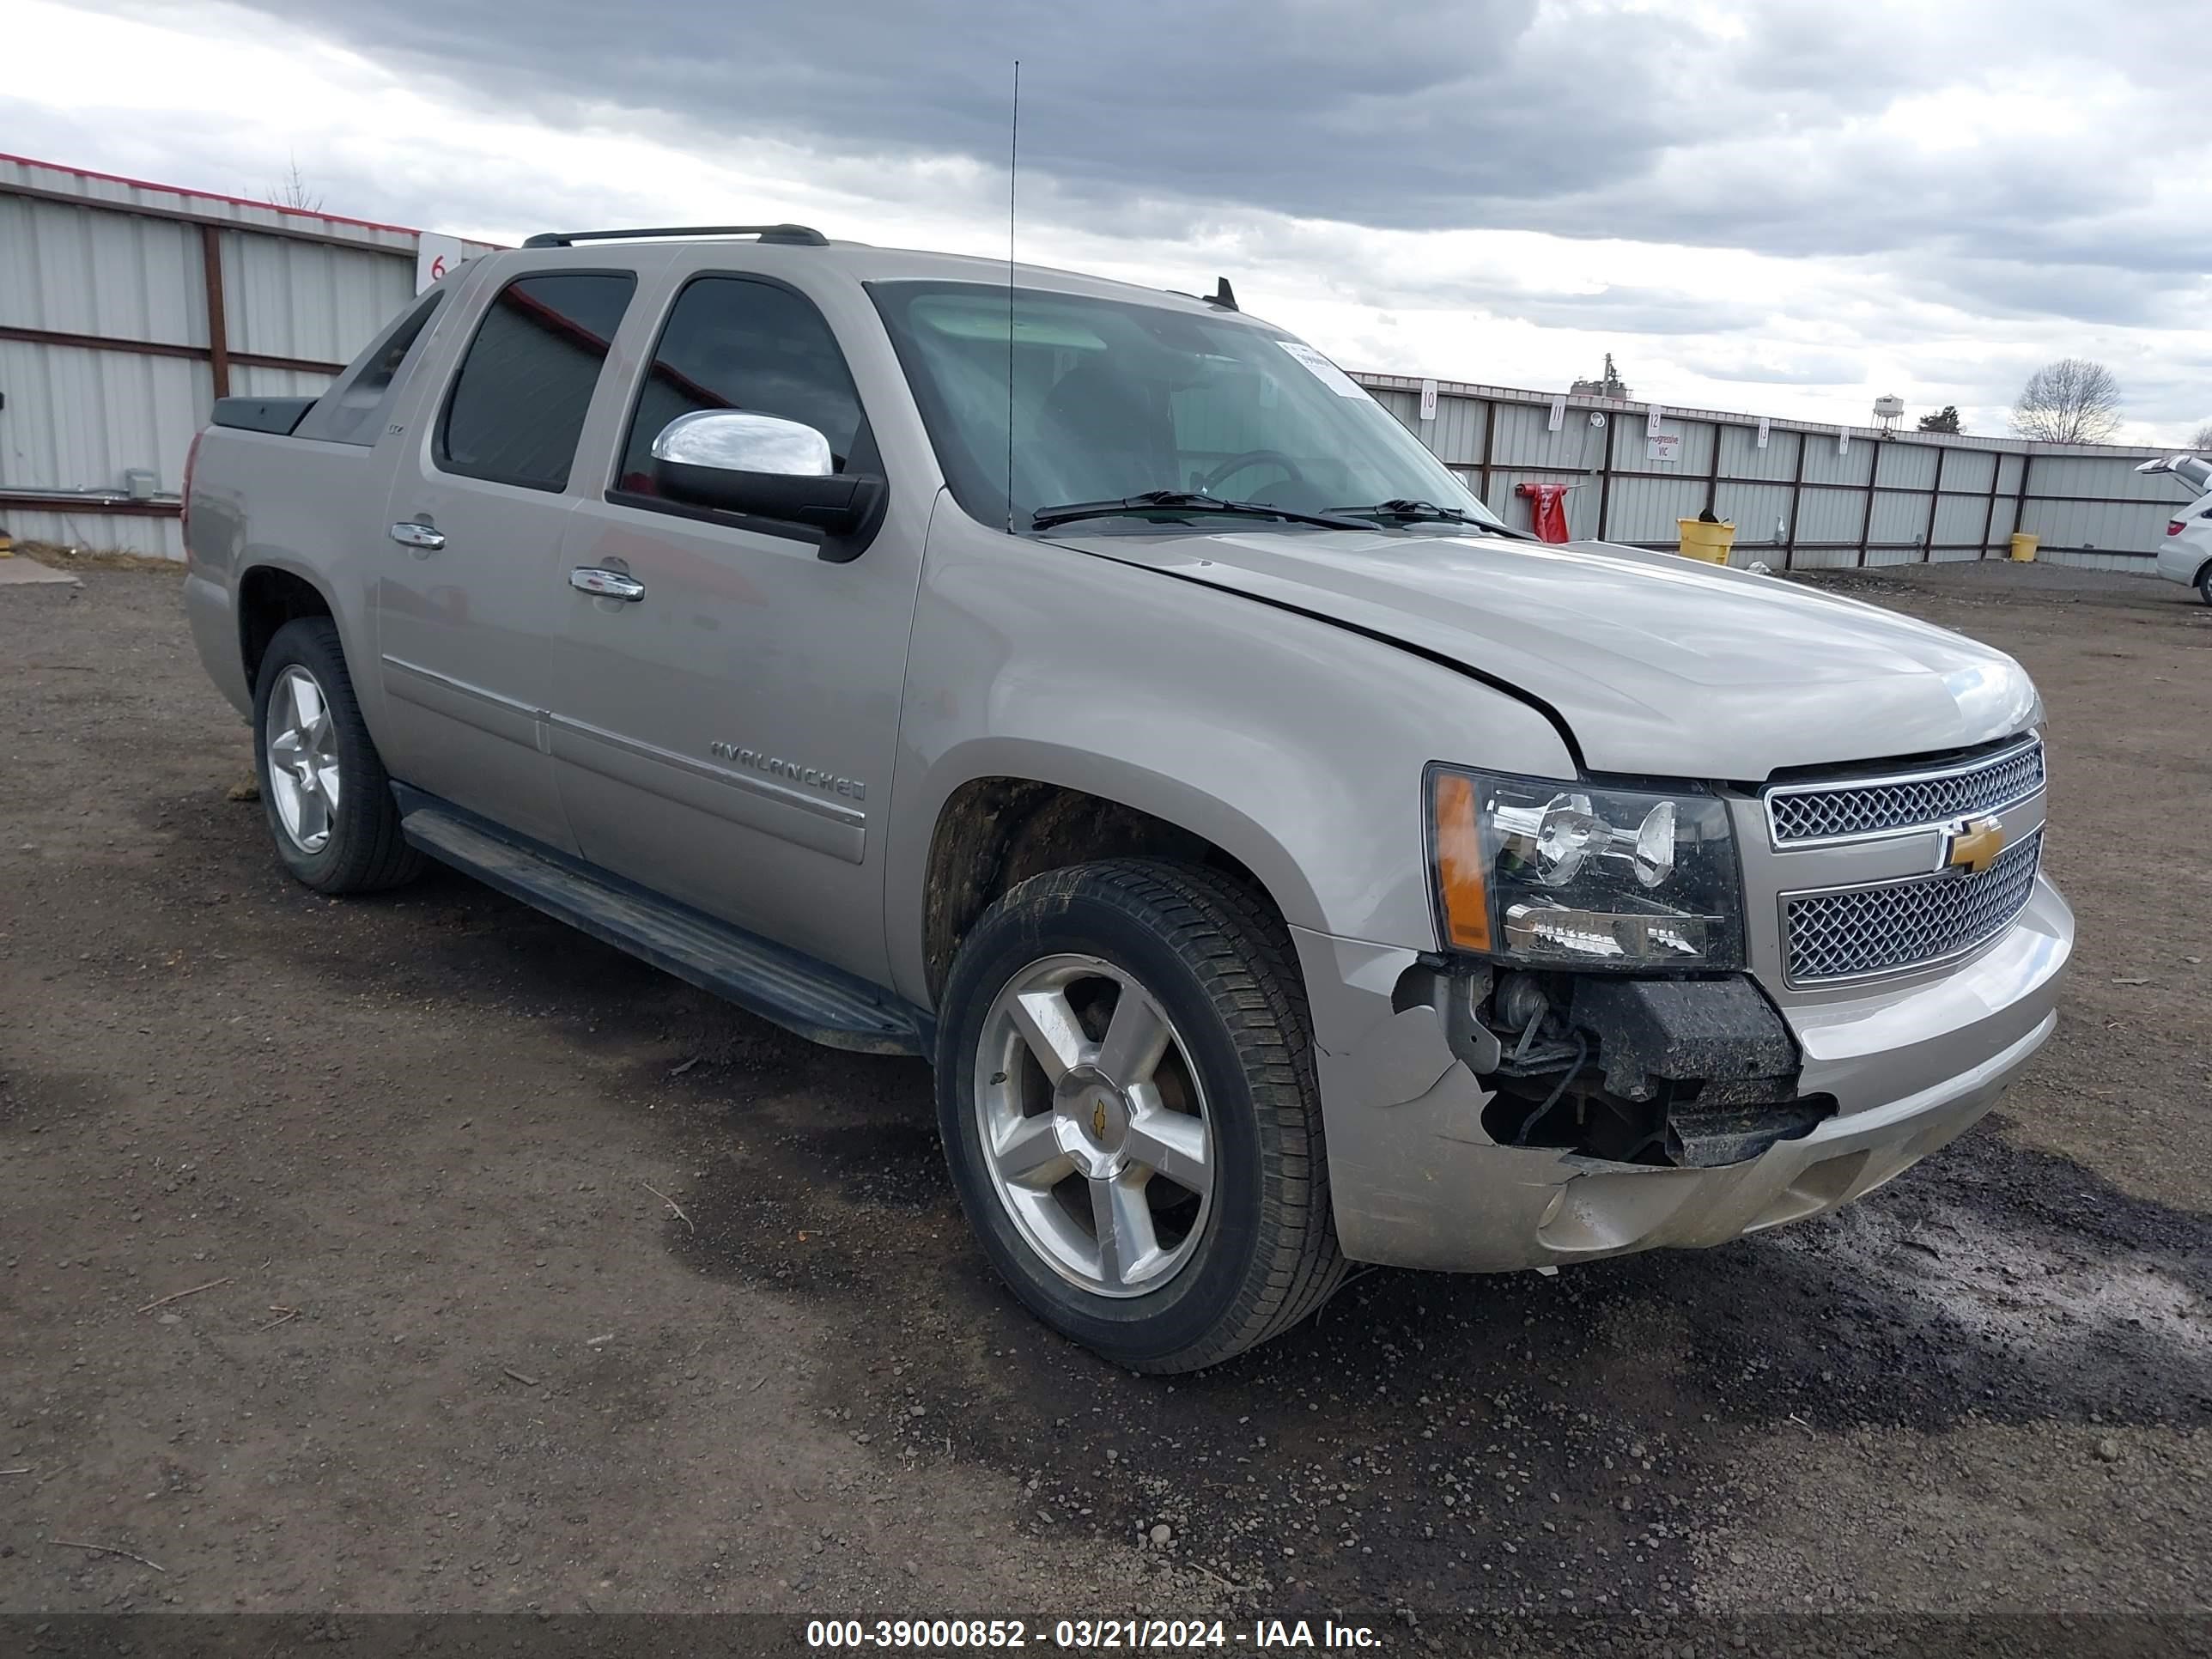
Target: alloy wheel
(303,759)
(1094,1125)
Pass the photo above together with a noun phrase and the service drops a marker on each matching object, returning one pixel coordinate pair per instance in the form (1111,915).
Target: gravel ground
(511,1274)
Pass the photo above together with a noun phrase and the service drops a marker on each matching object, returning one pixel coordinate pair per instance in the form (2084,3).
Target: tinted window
(519,401)
(352,411)
(732,343)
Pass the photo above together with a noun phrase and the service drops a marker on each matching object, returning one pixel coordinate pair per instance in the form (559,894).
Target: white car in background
(2185,555)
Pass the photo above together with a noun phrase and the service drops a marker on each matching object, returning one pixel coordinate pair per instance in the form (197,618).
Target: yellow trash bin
(1709,542)
(2023,549)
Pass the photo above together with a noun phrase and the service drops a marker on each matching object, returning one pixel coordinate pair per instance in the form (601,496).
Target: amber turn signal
(1459,881)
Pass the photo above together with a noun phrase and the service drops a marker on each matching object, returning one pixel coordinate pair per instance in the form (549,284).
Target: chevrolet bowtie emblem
(1972,845)
(1098,1117)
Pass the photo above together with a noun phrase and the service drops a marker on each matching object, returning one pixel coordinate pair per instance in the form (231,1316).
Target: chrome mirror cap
(738,441)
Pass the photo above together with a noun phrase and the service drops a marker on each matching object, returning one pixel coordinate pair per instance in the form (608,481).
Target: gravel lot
(510,1274)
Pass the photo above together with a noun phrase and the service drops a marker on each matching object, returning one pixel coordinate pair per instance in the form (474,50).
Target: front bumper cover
(1416,1183)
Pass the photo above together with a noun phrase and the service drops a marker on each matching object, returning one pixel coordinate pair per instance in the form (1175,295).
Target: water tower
(1886,409)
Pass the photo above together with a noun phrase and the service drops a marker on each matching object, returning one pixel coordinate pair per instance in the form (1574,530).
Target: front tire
(323,787)
(1126,1089)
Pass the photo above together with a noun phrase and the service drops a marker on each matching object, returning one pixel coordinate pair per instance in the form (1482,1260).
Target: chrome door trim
(472,705)
(447,683)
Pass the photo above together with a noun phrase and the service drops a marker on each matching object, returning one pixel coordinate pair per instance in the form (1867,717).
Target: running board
(821,1003)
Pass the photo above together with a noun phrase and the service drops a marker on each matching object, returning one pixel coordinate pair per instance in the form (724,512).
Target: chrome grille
(1851,931)
(1825,812)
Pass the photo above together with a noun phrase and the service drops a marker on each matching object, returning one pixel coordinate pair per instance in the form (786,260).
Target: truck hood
(1657,665)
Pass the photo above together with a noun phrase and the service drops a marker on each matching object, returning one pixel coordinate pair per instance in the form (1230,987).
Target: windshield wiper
(1403,510)
(1184,500)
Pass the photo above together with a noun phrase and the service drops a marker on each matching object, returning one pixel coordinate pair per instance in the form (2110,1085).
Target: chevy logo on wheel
(1972,845)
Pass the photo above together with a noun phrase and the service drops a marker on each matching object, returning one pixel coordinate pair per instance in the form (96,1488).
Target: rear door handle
(601,583)
(408,533)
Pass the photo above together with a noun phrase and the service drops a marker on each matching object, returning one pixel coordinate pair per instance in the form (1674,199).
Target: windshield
(1112,400)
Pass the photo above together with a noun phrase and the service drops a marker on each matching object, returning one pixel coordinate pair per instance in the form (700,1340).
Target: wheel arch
(269,596)
(1022,812)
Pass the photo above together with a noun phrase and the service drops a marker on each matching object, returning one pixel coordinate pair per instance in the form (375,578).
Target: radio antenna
(1013,163)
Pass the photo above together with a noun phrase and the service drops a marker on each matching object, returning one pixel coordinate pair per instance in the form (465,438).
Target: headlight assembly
(1566,875)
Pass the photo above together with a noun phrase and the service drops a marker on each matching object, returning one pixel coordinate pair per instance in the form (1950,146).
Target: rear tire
(2204,584)
(1208,1152)
(324,790)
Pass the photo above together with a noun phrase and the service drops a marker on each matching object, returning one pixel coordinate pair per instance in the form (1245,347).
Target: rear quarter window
(518,402)
(353,410)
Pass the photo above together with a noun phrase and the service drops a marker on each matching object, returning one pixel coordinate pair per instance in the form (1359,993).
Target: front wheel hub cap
(1093,1122)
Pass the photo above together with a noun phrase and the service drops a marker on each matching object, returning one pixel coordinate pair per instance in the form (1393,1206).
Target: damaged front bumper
(1416,1180)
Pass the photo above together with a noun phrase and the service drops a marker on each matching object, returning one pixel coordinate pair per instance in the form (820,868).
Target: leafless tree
(292,191)
(2072,401)
(2201,437)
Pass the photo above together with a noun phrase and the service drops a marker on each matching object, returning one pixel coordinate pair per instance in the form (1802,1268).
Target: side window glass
(734,343)
(352,411)
(519,401)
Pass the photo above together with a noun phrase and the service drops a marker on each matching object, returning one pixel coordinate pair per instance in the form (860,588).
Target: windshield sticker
(1323,370)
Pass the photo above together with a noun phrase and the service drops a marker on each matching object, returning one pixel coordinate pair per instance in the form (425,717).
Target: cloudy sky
(1782,207)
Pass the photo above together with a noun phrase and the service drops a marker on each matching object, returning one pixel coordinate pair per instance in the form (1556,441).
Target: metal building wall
(111,354)
(1803,500)
(308,300)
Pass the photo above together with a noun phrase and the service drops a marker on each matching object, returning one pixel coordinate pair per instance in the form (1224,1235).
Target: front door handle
(601,583)
(408,533)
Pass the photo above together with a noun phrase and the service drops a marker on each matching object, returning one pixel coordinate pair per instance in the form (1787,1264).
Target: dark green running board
(821,1003)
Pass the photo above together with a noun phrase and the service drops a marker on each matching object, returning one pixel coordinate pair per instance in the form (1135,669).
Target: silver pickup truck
(1284,863)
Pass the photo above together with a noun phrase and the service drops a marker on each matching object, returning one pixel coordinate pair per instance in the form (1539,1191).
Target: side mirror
(759,464)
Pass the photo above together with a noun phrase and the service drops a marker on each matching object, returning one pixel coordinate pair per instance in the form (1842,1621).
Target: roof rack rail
(794,236)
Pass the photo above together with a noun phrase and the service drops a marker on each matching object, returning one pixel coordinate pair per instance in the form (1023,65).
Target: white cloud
(216,97)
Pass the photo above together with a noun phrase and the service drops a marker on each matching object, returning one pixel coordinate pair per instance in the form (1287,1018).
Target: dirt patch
(466,1354)
(81,558)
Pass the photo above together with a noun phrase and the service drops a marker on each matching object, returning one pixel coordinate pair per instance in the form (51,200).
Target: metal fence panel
(75,270)
(1899,520)
(1959,519)
(1457,434)
(1525,439)
(1823,464)
(1405,405)
(1910,465)
(1824,558)
(1968,469)
(1760,513)
(1830,515)
(2077,474)
(1742,458)
(1646,509)
(2094,526)
(254,381)
(77,418)
(288,299)
(2002,521)
(1692,454)
(1933,497)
